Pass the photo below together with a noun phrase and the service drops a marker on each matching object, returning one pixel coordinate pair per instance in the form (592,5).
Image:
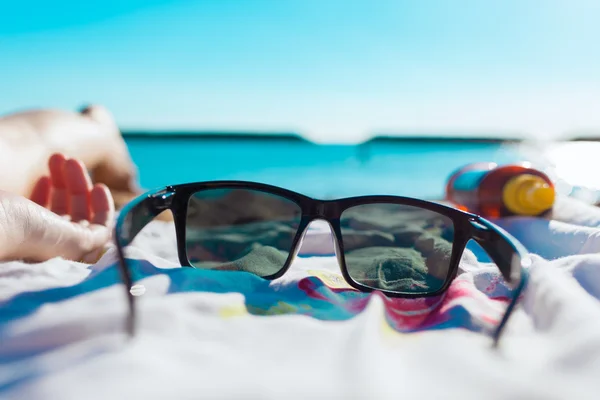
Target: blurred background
(330,98)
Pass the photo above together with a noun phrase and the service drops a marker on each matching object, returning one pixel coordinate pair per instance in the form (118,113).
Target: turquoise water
(414,168)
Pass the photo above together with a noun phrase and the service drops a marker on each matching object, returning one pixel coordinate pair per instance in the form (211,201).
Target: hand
(67,216)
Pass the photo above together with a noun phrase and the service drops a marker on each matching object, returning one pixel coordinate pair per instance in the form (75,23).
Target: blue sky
(331,69)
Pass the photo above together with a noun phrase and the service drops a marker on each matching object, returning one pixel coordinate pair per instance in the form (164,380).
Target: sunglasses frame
(493,239)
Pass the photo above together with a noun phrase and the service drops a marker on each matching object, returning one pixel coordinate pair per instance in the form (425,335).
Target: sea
(405,166)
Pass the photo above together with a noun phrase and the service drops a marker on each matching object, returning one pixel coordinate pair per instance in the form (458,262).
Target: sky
(333,70)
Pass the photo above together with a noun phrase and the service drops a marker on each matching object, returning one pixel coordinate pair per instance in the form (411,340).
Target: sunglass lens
(241,230)
(397,248)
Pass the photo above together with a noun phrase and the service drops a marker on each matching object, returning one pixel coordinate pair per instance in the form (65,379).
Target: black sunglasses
(402,247)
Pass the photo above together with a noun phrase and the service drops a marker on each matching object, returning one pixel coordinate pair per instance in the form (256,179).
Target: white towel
(296,337)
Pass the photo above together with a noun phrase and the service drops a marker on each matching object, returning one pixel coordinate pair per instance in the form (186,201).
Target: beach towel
(232,335)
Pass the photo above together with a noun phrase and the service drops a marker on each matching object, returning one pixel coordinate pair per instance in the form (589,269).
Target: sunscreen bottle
(494,191)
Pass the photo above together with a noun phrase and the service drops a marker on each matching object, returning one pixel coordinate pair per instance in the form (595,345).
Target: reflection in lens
(241,230)
(397,248)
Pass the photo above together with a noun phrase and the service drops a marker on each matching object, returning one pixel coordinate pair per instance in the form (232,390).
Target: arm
(91,136)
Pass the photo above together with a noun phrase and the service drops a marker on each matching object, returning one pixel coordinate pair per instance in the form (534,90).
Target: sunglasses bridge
(322,209)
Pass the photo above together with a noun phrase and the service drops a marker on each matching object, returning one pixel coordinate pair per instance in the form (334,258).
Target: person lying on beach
(49,206)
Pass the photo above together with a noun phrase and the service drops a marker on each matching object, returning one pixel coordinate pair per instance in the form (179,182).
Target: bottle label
(469,180)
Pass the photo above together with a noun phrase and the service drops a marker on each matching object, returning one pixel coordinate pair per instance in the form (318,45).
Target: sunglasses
(402,247)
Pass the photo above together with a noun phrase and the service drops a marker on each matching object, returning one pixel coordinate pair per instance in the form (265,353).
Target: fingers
(41,233)
(102,205)
(37,234)
(78,185)
(71,187)
(41,191)
(58,201)
(83,241)
(103,211)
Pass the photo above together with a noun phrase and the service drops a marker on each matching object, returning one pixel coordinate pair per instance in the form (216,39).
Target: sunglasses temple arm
(127,284)
(511,306)
(510,256)
(141,210)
